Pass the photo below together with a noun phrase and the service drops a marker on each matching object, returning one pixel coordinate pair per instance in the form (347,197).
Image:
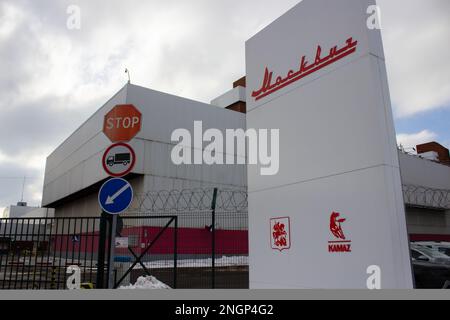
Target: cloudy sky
(56,77)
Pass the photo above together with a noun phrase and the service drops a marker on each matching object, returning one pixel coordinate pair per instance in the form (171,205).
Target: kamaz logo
(341,244)
(339,248)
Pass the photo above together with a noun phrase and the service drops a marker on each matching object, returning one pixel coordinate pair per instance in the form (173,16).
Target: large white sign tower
(333,215)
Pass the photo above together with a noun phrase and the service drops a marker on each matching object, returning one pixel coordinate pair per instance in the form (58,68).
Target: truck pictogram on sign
(118,159)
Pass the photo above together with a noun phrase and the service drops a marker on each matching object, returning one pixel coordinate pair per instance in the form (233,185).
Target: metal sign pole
(116,194)
(112,253)
(101,252)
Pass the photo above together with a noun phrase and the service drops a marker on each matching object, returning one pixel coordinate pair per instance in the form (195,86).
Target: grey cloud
(191,48)
(415,33)
(44,122)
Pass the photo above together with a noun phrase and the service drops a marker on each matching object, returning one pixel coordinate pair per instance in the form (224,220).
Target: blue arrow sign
(115,195)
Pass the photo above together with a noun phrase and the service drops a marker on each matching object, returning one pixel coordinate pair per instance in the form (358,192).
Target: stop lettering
(122,123)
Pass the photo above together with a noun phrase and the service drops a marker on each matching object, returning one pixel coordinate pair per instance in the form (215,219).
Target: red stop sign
(122,123)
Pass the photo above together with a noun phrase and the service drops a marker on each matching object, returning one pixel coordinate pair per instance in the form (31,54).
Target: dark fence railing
(36,251)
(206,248)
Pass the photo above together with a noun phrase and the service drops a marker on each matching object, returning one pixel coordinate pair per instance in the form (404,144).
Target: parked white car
(420,253)
(443,247)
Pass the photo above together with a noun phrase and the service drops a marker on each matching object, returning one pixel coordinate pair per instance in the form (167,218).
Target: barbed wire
(420,196)
(236,200)
(189,200)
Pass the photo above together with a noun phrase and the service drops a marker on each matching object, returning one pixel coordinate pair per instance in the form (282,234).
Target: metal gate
(143,257)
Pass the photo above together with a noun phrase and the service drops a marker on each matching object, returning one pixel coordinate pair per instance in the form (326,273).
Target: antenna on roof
(128,72)
(23,188)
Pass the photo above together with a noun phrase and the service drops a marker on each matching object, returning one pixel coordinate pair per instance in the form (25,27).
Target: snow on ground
(148,282)
(197,263)
(232,261)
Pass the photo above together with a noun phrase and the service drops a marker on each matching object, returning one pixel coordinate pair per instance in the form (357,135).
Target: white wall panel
(421,172)
(359,197)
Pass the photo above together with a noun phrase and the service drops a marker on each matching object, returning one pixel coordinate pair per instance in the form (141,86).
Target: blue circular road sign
(115,195)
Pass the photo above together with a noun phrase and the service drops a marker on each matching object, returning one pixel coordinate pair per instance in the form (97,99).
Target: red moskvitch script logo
(341,243)
(280,233)
(268,87)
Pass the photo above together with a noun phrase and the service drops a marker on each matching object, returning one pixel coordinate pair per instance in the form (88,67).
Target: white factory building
(22,210)
(74,171)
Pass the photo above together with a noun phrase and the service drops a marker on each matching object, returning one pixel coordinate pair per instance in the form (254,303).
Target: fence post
(53,278)
(101,251)
(111,250)
(213,238)
(175,252)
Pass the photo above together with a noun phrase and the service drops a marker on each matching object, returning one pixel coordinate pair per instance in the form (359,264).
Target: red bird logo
(335,225)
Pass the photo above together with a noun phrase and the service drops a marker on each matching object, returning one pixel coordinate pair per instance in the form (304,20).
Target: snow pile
(148,282)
